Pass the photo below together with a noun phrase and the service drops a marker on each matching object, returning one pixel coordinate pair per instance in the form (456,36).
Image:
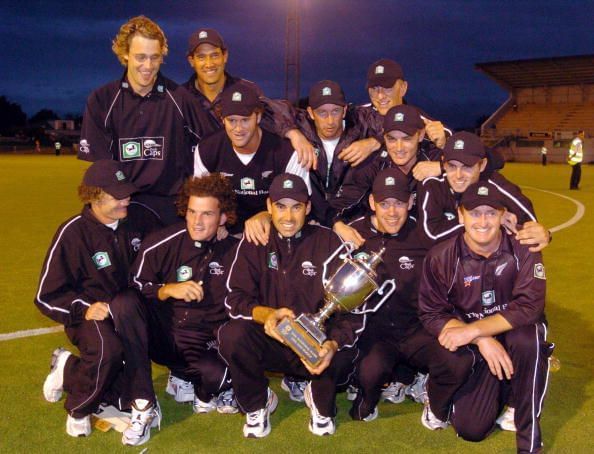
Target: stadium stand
(550,100)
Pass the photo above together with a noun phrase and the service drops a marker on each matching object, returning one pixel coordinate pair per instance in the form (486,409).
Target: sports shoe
(78,427)
(181,390)
(199,406)
(144,417)
(417,390)
(506,420)
(54,382)
(226,402)
(351,392)
(430,421)
(294,388)
(371,416)
(395,392)
(318,424)
(257,423)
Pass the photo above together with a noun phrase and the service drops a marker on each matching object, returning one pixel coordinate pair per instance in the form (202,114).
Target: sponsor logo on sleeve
(539,271)
(309,269)
(184,273)
(101,260)
(216,268)
(142,148)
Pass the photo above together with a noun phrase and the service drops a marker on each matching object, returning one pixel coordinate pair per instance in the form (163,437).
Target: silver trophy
(349,288)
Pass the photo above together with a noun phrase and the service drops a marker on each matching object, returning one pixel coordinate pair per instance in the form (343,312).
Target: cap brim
(385,82)
(466,160)
(121,191)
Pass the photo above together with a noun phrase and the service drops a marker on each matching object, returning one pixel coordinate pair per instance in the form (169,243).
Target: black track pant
(88,377)
(148,332)
(249,352)
(478,403)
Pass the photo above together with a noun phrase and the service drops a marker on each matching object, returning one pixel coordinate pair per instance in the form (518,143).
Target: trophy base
(304,337)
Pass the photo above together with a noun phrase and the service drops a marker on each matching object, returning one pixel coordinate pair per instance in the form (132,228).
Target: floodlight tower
(292,64)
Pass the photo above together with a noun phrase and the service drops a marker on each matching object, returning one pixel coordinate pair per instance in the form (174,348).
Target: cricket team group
(209,211)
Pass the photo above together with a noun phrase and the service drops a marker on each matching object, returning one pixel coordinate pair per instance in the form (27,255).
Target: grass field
(39,192)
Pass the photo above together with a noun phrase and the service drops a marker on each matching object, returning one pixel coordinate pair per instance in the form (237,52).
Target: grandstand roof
(540,72)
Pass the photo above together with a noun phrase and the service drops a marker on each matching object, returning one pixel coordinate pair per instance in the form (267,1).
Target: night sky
(54,53)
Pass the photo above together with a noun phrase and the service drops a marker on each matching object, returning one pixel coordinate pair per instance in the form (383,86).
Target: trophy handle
(380,291)
(349,246)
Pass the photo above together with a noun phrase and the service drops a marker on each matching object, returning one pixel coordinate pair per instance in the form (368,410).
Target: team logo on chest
(309,269)
(101,260)
(216,268)
(184,273)
(272,261)
(449,216)
(143,148)
(135,244)
(248,183)
(468,280)
(406,263)
(488,298)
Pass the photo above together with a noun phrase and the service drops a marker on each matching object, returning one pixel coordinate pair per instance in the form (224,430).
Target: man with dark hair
(173,315)
(284,279)
(144,121)
(483,293)
(245,153)
(86,266)
(394,335)
(465,163)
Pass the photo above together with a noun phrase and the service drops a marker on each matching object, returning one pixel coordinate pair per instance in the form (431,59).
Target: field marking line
(579,213)
(30,332)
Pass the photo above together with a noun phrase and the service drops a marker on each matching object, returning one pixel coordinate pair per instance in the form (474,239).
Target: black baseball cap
(405,118)
(390,183)
(205,35)
(384,73)
(239,99)
(326,92)
(482,193)
(109,175)
(464,147)
(289,186)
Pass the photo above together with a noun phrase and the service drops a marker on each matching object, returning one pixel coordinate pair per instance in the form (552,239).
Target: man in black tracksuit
(267,284)
(180,275)
(245,153)
(394,334)
(145,121)
(465,163)
(86,266)
(484,292)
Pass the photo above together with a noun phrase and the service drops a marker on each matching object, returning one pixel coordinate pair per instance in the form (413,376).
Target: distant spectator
(543,155)
(574,159)
(58,147)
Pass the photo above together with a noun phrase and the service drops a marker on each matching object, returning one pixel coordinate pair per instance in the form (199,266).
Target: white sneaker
(144,417)
(78,427)
(417,390)
(395,392)
(257,423)
(351,392)
(199,406)
(506,420)
(430,421)
(371,416)
(181,390)
(318,424)
(294,388)
(54,382)
(226,402)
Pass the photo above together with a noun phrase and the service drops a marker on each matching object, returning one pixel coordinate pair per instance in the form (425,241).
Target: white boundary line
(579,214)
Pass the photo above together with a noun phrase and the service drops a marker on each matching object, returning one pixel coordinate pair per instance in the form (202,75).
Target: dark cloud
(55,53)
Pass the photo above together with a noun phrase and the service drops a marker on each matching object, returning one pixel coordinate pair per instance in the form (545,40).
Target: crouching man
(268,283)
(484,292)
(172,319)
(86,265)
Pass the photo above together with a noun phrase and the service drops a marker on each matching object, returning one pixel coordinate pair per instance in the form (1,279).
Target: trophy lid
(371,263)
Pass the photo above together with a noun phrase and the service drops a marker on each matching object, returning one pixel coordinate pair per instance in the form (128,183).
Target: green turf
(40,192)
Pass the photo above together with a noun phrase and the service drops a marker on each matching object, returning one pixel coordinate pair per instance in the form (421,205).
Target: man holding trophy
(281,282)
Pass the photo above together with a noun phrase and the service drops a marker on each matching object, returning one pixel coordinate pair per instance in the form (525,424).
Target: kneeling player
(278,280)
(180,273)
(483,291)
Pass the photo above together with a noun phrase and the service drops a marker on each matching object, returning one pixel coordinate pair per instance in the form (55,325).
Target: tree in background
(12,116)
